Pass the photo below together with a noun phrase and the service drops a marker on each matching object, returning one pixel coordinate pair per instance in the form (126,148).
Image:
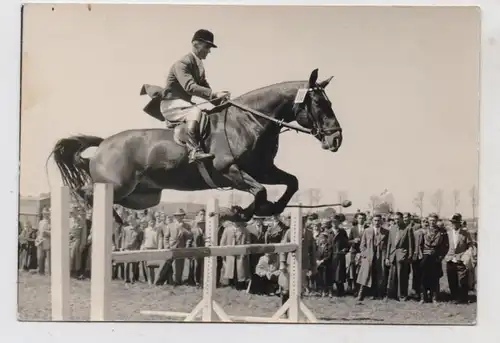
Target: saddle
(180,130)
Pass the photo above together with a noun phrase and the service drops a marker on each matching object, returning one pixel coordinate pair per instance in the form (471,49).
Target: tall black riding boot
(193,143)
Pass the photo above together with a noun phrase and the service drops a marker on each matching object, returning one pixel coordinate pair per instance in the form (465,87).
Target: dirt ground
(34,304)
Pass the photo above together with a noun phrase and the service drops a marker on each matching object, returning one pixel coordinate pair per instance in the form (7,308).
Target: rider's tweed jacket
(185,79)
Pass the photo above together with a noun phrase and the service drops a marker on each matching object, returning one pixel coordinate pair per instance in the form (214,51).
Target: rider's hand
(222,94)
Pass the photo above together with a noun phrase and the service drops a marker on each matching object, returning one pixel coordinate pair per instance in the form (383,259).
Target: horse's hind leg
(121,174)
(138,200)
(87,194)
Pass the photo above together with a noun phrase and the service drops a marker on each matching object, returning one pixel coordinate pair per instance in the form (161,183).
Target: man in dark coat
(339,243)
(373,271)
(434,248)
(399,253)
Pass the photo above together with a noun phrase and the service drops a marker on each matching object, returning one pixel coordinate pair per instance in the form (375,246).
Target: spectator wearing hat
(257,231)
(310,219)
(315,227)
(77,238)
(308,257)
(150,242)
(275,231)
(27,256)
(196,264)
(400,247)
(373,251)
(178,235)
(43,241)
(267,275)
(416,269)
(339,243)
(132,239)
(323,263)
(118,239)
(434,247)
(412,222)
(353,256)
(87,247)
(458,259)
(236,268)
(161,227)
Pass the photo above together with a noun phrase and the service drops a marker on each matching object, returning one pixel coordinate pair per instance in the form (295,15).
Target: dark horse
(141,163)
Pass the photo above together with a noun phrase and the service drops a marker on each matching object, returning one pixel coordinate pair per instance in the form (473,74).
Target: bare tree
(389,200)
(473,200)
(456,200)
(383,208)
(374,202)
(314,196)
(437,201)
(342,196)
(418,201)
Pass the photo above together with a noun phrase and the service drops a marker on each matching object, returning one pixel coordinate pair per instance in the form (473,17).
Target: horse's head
(313,110)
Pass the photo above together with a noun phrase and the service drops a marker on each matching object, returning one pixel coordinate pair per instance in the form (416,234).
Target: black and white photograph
(249,164)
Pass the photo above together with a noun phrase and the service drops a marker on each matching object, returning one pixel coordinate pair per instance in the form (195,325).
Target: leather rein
(317,130)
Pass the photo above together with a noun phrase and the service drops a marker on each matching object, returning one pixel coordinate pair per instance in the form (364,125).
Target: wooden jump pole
(102,222)
(60,258)
(210,309)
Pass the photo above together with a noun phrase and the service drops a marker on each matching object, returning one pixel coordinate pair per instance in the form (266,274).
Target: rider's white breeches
(178,110)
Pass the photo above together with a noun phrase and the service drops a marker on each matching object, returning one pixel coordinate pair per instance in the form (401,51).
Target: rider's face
(203,50)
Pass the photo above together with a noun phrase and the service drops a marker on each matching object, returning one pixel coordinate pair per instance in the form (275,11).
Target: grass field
(128,300)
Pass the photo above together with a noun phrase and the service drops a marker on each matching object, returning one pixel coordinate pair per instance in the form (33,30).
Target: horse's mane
(254,97)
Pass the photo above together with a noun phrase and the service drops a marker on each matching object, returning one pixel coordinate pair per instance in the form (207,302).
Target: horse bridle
(317,130)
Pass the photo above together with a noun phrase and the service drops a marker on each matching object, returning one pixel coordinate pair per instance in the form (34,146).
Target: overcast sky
(406,87)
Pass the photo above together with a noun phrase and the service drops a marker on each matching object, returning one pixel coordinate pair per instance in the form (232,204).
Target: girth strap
(205,175)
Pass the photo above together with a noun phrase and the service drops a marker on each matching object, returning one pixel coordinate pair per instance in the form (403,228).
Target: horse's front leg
(244,182)
(275,176)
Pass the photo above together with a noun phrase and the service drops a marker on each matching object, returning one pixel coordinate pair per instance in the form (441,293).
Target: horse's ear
(313,78)
(325,83)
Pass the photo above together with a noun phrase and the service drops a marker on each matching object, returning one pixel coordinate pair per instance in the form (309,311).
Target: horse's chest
(267,147)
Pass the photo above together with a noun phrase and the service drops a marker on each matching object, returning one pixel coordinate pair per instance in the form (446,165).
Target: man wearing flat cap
(186,79)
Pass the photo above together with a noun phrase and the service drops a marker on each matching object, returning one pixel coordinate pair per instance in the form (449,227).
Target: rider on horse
(185,79)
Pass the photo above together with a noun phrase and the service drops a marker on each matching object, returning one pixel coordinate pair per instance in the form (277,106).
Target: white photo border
(489,190)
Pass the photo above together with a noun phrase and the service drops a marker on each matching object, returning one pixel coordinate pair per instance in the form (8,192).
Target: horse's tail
(74,168)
